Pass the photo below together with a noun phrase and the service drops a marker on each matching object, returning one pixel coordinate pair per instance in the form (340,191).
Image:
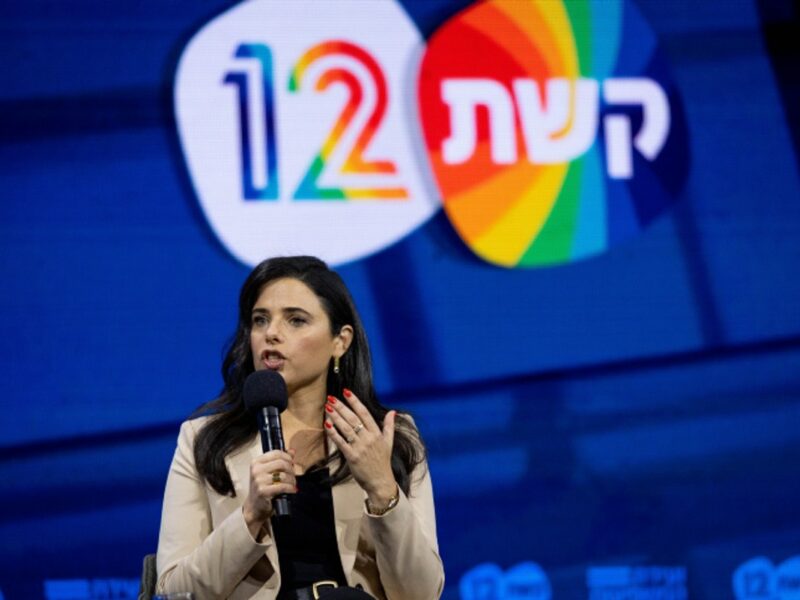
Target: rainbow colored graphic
(355,163)
(509,200)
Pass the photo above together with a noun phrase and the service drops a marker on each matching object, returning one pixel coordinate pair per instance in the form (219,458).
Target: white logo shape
(540,123)
(292,116)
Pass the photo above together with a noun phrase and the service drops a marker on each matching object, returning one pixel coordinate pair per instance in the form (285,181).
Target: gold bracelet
(377,512)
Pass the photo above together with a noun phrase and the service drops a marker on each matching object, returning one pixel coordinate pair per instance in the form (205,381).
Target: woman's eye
(297,321)
(259,320)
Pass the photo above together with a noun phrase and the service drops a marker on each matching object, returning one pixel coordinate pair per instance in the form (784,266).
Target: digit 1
(263,55)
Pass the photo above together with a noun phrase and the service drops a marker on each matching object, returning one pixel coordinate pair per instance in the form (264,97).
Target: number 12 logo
(295,120)
(355,163)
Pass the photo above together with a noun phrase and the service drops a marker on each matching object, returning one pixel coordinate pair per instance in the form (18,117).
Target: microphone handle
(272,439)
(274,427)
(282,506)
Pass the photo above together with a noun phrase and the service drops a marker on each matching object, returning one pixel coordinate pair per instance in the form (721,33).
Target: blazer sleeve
(406,549)
(193,554)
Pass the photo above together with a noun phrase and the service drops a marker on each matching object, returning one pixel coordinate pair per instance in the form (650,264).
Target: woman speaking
(362,511)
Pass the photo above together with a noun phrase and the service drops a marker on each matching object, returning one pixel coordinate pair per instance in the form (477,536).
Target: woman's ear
(342,341)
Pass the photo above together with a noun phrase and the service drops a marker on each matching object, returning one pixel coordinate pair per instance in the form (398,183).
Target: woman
(355,472)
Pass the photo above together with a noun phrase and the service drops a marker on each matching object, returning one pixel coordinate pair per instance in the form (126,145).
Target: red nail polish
(331,399)
(347,393)
(328,425)
(329,408)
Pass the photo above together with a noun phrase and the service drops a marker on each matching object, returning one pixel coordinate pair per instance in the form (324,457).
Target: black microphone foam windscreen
(265,388)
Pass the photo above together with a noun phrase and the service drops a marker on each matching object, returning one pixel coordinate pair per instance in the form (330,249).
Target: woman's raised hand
(271,474)
(367,448)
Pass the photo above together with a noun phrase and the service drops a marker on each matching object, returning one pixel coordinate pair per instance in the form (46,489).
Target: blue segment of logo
(643,583)
(525,581)
(90,589)
(250,190)
(483,582)
(753,579)
(67,589)
(787,583)
(759,579)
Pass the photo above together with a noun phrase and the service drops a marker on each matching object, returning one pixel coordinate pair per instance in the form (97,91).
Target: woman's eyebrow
(286,309)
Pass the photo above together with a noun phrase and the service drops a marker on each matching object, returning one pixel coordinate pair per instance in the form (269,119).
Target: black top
(306,540)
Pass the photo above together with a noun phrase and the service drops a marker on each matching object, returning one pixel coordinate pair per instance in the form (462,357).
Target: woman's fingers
(341,426)
(276,459)
(360,411)
(335,407)
(340,442)
(275,455)
(367,449)
(388,427)
(273,473)
(356,418)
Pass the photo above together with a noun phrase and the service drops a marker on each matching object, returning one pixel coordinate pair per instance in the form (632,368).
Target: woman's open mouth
(272,359)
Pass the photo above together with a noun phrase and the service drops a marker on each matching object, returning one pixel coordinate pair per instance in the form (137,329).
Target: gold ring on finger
(358,427)
(351,439)
(276,477)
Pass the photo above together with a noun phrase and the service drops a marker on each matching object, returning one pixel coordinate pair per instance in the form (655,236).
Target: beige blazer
(205,547)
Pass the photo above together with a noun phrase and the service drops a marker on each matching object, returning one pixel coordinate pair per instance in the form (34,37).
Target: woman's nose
(272,332)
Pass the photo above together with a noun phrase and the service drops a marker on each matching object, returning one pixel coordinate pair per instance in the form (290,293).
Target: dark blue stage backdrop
(572,228)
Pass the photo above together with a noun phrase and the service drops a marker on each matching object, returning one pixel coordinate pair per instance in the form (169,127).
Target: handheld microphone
(265,394)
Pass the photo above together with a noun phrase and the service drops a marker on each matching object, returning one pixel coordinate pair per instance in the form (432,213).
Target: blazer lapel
(348,505)
(348,510)
(239,468)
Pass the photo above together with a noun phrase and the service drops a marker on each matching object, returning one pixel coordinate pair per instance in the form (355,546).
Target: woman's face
(291,334)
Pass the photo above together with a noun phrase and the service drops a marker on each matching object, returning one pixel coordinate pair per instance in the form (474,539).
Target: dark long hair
(231,426)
